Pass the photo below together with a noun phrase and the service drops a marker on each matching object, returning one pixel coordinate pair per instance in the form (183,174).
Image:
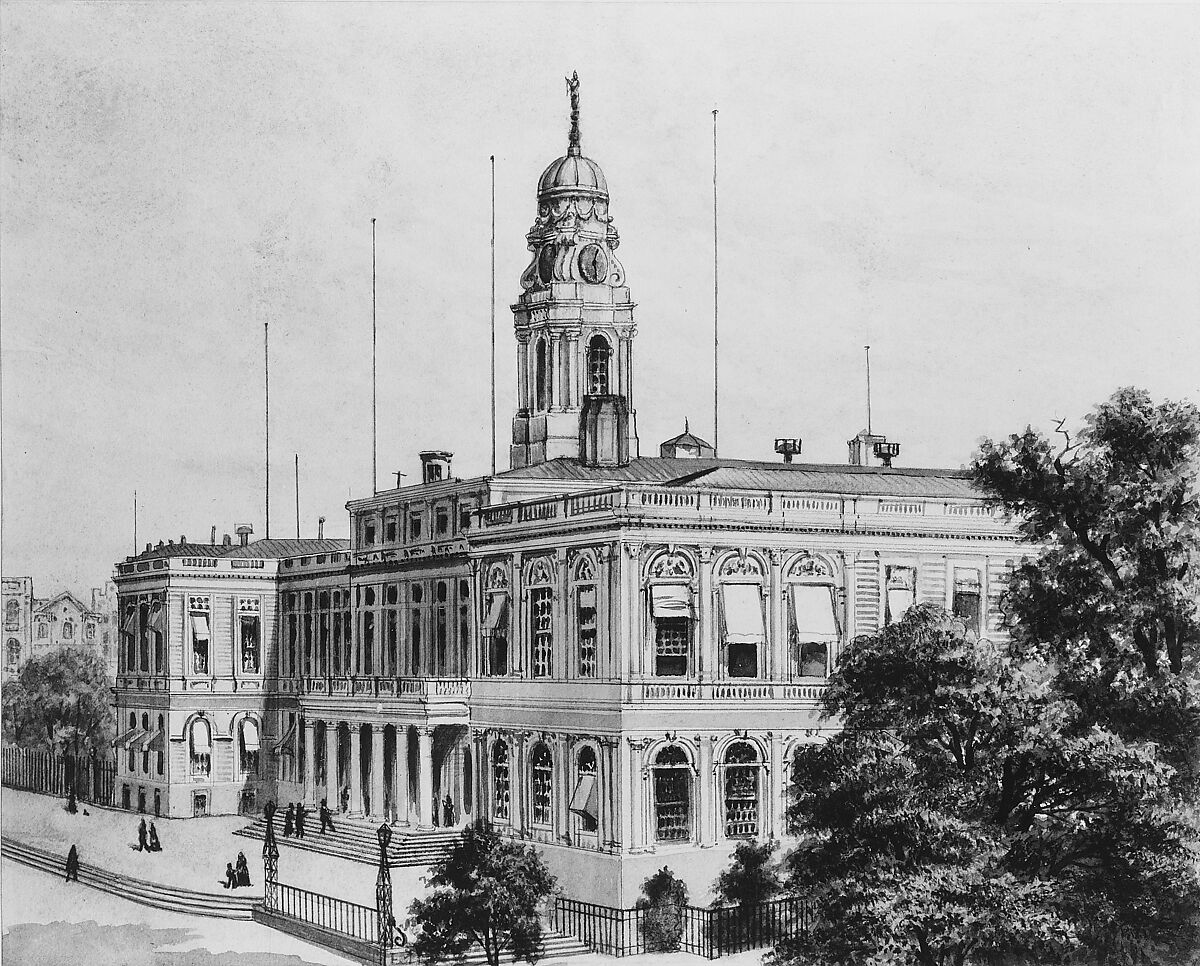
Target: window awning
(201,739)
(584,801)
(150,741)
(743,613)
(671,600)
(497,607)
(815,611)
(130,624)
(158,615)
(127,739)
(284,744)
(200,626)
(250,734)
(587,597)
(899,601)
(966,581)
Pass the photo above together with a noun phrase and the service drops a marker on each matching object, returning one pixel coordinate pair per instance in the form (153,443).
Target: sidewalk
(194,853)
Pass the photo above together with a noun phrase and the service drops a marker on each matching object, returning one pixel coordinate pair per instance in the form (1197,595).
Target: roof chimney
(243,530)
(213,537)
(227,541)
(862,448)
(182,538)
(787,448)
(320,528)
(435,465)
(149,547)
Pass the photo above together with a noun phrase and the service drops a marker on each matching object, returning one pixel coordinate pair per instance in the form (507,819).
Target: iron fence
(93,776)
(710,933)
(326,912)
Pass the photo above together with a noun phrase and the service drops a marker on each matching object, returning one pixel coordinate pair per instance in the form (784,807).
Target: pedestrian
(155,844)
(142,836)
(287,820)
(345,798)
(447,811)
(71,806)
(326,818)
(299,820)
(231,881)
(73,865)
(243,871)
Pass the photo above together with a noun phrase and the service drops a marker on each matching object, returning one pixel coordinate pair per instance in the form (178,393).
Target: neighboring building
(612,656)
(33,625)
(18,622)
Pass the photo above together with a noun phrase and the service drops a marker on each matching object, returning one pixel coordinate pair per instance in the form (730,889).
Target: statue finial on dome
(573,137)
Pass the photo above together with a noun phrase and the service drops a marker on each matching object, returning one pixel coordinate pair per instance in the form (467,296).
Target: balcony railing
(378,686)
(725,691)
(825,510)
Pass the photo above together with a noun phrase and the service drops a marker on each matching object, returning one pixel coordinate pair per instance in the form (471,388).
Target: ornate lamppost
(389,935)
(270,854)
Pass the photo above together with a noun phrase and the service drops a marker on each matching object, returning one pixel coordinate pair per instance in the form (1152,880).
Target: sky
(1003,201)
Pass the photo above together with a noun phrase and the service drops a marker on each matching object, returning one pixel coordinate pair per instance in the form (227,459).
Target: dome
(572,174)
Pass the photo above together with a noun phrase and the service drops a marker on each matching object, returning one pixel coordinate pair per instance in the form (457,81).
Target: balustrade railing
(326,912)
(381,686)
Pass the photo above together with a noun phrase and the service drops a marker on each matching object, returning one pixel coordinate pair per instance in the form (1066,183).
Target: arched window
(12,653)
(598,356)
(500,789)
(200,747)
(542,786)
(670,597)
(585,616)
(495,621)
(814,624)
(743,628)
(901,592)
(248,746)
(43,631)
(672,796)
(741,791)
(541,618)
(585,799)
(68,631)
(12,612)
(542,375)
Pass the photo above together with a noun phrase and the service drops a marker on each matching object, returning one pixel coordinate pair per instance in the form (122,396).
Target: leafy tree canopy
(60,701)
(971,813)
(752,875)
(487,890)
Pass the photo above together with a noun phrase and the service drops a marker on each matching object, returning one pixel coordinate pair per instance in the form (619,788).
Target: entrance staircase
(356,840)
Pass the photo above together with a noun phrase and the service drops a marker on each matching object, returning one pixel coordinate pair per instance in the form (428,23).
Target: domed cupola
(573,238)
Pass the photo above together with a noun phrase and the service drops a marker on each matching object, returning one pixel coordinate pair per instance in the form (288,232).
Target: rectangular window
(464,518)
(249,641)
(814,627)
(391,530)
(901,592)
(144,637)
(201,635)
(541,620)
(369,533)
(672,805)
(585,613)
(967,598)
(442,521)
(414,640)
(741,611)
(414,526)
(671,611)
(291,651)
(495,630)
(368,650)
(391,630)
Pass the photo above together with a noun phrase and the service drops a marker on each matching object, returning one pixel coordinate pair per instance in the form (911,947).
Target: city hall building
(613,656)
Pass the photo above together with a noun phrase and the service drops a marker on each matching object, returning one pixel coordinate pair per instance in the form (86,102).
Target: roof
(274,549)
(718,473)
(686,438)
(181,550)
(45,604)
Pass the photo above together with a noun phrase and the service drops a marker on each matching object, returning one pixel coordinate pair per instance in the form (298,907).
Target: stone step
(153,894)
(357,841)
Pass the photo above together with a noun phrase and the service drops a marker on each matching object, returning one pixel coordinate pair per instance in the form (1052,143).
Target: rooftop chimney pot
(243,531)
(213,536)
(320,528)
(227,541)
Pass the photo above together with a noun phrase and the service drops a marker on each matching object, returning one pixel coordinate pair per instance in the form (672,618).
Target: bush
(663,898)
(752,876)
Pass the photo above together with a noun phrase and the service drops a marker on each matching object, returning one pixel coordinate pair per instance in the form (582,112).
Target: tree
(663,899)
(486,890)
(970,812)
(751,877)
(60,702)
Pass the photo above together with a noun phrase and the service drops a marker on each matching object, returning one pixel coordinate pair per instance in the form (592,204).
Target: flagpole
(493,160)
(267,428)
(374,420)
(716,340)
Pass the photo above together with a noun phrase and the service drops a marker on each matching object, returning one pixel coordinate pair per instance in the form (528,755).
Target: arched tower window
(585,800)
(672,796)
(598,356)
(200,746)
(542,376)
(12,653)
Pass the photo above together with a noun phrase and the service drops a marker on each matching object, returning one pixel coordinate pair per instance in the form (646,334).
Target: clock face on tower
(546,259)
(593,264)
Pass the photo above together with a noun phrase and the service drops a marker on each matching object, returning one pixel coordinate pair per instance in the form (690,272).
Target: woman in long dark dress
(243,871)
(288,819)
(155,844)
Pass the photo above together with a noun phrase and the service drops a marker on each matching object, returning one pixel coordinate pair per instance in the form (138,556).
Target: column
(606,667)
(516,785)
(775,652)
(634,660)
(708,812)
(555,371)
(522,376)
(574,392)
(356,803)
(517,664)
(400,775)
(377,810)
(777,807)
(564,643)
(425,776)
(332,793)
(565,754)
(635,817)
(604,792)
(704,618)
(310,760)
